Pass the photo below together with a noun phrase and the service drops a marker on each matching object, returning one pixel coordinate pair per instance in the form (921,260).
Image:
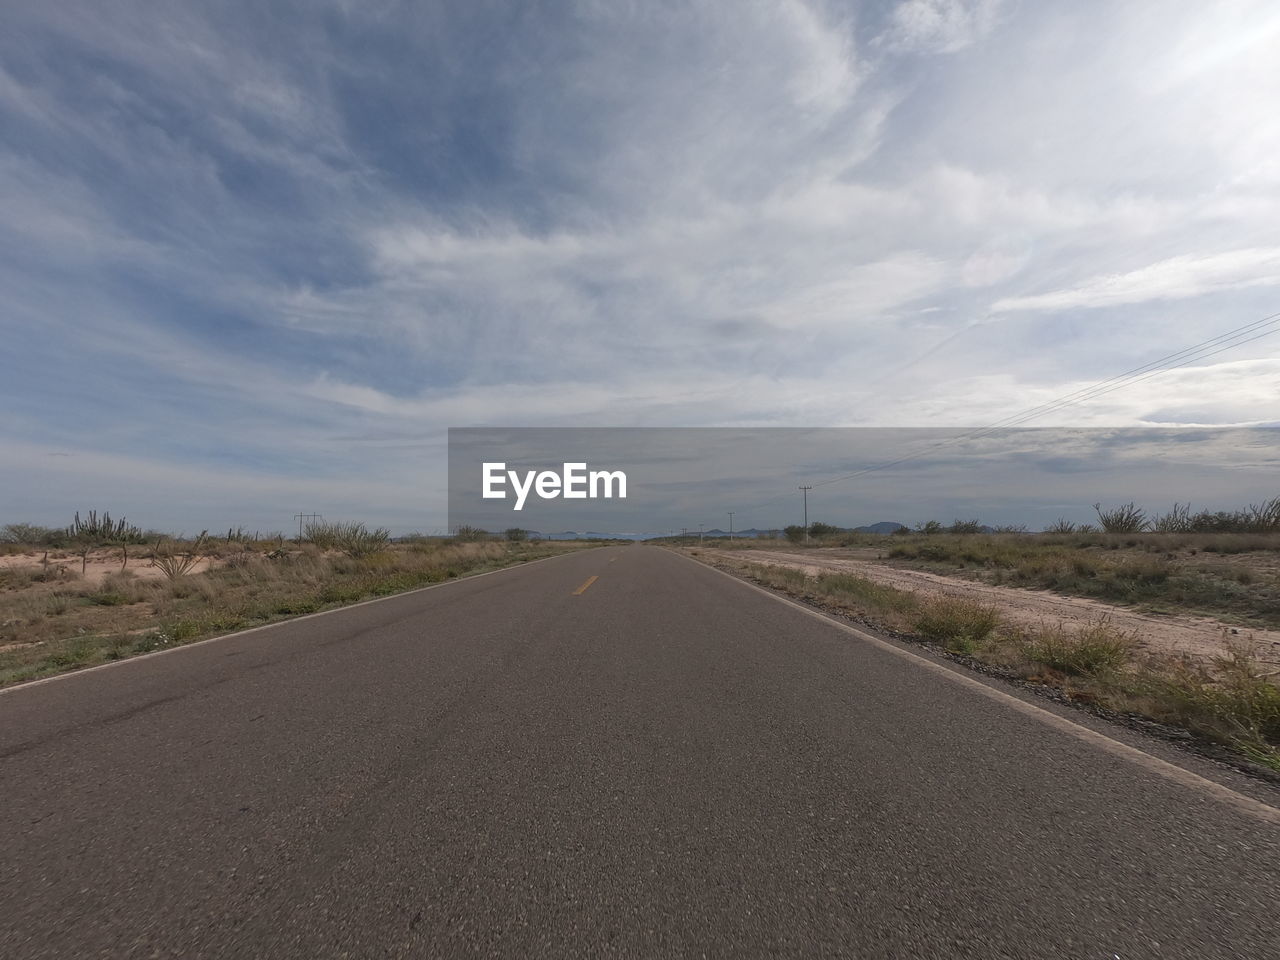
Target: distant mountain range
(884,526)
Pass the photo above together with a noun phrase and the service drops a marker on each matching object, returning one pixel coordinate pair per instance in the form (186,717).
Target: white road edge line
(27,685)
(1170,771)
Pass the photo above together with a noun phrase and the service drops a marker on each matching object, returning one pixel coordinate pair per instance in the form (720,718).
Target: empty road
(657,762)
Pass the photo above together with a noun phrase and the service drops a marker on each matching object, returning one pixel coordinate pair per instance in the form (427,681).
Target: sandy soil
(1200,637)
(100,564)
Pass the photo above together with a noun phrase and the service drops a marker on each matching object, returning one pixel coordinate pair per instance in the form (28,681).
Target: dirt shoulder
(99,564)
(1200,637)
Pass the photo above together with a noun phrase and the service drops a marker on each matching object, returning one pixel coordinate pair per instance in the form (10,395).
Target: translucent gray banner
(651,482)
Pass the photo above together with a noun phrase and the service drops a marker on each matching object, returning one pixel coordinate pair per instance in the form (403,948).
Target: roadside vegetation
(1235,577)
(1224,564)
(102,589)
(1233,700)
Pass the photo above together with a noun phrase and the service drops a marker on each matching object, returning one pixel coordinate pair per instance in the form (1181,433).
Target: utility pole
(806,490)
(300,517)
(730,524)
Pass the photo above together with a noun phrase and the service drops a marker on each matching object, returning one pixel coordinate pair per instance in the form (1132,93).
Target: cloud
(941,26)
(1171,279)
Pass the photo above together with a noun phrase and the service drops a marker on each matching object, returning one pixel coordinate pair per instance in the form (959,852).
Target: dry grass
(1235,695)
(51,621)
(1094,650)
(959,623)
(1231,575)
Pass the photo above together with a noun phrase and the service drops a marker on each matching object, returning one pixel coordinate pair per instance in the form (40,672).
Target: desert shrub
(20,577)
(794,533)
(819,529)
(322,534)
(1094,649)
(174,560)
(516,534)
(120,580)
(32,534)
(965,526)
(1236,698)
(242,560)
(358,541)
(1127,518)
(353,539)
(936,551)
(1177,520)
(59,603)
(1263,518)
(954,620)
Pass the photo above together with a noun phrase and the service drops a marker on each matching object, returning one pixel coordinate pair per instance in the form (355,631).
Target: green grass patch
(296,606)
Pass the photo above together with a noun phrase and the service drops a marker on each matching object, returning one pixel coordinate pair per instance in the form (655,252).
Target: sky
(257,258)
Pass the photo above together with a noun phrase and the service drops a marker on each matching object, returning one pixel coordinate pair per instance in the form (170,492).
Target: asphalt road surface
(667,763)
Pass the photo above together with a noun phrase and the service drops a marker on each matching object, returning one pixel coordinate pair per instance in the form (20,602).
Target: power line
(300,517)
(1136,375)
(1146,371)
(1247,333)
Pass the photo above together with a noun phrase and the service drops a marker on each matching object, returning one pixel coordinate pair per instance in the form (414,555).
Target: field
(1232,577)
(79,604)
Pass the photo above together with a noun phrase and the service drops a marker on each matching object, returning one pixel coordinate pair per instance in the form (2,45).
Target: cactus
(95,529)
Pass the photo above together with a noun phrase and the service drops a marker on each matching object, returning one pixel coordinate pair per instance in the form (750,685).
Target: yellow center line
(582,589)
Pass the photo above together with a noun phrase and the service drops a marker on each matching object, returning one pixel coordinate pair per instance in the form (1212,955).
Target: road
(662,762)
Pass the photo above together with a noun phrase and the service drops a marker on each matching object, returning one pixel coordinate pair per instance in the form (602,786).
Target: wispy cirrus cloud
(1176,278)
(941,26)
